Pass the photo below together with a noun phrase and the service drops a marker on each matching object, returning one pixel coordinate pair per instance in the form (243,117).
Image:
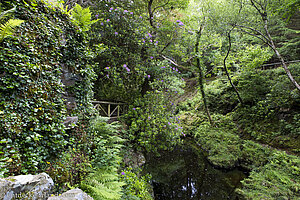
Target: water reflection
(184,174)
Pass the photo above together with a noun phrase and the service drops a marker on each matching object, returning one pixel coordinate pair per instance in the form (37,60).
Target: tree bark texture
(201,76)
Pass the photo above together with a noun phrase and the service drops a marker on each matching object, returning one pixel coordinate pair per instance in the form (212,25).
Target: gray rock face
(33,187)
(134,159)
(70,103)
(69,121)
(75,194)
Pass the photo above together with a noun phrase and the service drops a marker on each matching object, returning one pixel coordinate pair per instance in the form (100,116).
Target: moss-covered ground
(261,136)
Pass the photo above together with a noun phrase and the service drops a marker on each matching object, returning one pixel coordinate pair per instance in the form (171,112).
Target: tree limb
(254,35)
(173,62)
(199,33)
(150,2)
(161,6)
(226,70)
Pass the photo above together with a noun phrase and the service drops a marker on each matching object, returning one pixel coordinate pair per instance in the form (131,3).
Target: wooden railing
(110,109)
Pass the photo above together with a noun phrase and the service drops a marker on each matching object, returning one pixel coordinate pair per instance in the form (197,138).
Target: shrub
(70,170)
(136,185)
(106,143)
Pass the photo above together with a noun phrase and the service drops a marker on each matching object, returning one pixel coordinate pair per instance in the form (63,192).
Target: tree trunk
(150,2)
(201,77)
(287,71)
(262,10)
(227,73)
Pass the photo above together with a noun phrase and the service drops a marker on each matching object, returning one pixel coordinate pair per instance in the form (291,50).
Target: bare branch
(225,66)
(173,62)
(261,11)
(264,39)
(160,6)
(278,63)
(254,35)
(166,46)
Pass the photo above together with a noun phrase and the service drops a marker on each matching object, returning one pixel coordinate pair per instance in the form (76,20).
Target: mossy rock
(222,146)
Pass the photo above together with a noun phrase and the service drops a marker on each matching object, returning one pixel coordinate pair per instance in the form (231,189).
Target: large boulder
(33,187)
(134,159)
(75,194)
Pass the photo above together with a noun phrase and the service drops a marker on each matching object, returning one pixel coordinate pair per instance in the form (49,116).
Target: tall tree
(262,9)
(225,66)
(201,74)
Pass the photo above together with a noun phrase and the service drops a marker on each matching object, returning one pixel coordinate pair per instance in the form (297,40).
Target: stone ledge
(75,194)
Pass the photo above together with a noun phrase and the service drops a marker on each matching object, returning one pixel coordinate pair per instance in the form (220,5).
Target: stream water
(185,174)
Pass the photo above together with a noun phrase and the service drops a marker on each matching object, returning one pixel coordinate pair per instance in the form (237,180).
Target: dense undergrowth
(121,54)
(32,109)
(252,136)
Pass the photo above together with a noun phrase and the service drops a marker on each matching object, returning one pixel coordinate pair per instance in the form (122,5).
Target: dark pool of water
(185,174)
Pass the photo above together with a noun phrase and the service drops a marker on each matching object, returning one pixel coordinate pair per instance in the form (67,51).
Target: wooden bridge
(112,110)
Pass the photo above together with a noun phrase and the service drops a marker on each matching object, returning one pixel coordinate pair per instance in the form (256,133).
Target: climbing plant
(31,91)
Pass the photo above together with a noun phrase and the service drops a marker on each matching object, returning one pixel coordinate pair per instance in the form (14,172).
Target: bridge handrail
(109,112)
(106,102)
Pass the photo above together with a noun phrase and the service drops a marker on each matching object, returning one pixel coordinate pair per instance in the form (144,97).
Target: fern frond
(7,12)
(103,184)
(115,185)
(82,17)
(7,28)
(100,192)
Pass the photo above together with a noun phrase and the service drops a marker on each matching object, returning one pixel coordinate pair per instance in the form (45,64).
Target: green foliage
(123,61)
(253,57)
(271,103)
(270,115)
(254,155)
(82,17)
(151,118)
(292,128)
(221,91)
(279,179)
(136,185)
(152,123)
(103,184)
(106,143)
(32,60)
(127,53)
(129,70)
(7,26)
(6,13)
(70,170)
(7,29)
(288,8)
(222,145)
(8,157)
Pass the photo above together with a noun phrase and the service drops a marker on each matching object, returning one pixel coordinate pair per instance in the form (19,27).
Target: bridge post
(110,111)
(118,110)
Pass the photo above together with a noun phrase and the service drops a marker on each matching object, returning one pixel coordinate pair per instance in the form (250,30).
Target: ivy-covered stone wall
(34,89)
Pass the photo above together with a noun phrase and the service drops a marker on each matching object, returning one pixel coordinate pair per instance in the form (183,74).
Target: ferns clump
(107,144)
(7,28)
(103,184)
(82,17)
